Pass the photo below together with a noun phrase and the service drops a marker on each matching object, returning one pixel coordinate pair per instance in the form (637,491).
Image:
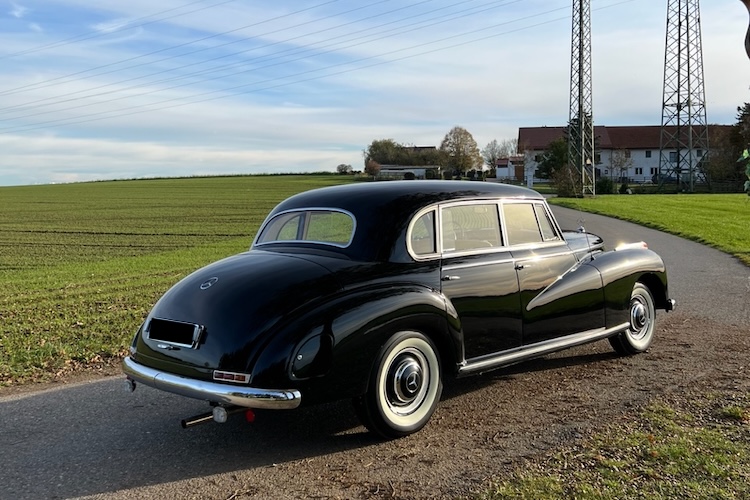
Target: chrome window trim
(472,251)
(531,201)
(505,247)
(410,228)
(302,242)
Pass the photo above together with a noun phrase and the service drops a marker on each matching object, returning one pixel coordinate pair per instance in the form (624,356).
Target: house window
(538,158)
(597,158)
(638,171)
(627,153)
(700,153)
(653,170)
(673,156)
(648,154)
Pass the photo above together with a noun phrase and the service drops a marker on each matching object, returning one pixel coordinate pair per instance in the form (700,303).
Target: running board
(519,354)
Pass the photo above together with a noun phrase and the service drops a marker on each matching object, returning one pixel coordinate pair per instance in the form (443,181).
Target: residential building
(623,153)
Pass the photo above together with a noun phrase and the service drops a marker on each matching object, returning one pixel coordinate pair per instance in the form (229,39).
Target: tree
(461,150)
(620,162)
(344,169)
(726,147)
(743,125)
(491,153)
(554,158)
(372,168)
(389,152)
(508,148)
(384,151)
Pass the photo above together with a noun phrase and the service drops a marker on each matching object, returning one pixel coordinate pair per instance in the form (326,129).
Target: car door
(558,295)
(479,278)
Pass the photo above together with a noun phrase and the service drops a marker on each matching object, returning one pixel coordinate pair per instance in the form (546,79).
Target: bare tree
(620,162)
(344,169)
(508,148)
(372,168)
(491,153)
(461,149)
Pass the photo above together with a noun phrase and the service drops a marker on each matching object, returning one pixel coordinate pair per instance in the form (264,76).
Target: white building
(622,152)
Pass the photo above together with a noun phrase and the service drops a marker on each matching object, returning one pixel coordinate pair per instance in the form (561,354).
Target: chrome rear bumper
(248,397)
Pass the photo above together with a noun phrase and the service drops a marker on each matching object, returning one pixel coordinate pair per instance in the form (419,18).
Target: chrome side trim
(517,355)
(247,397)
(469,265)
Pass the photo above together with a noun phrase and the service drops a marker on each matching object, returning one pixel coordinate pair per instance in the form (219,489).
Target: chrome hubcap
(639,318)
(405,388)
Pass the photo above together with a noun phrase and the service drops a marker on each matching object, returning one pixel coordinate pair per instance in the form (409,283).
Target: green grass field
(719,220)
(81,264)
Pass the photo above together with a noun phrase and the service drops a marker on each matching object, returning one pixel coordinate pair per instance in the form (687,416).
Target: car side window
(521,223)
(422,236)
(470,227)
(545,224)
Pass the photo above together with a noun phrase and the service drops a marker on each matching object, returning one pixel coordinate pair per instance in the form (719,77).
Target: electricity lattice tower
(684,133)
(581,116)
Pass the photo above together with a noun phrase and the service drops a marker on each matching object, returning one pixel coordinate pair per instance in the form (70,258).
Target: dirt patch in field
(483,427)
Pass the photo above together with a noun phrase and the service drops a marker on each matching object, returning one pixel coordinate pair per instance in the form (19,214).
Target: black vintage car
(377,291)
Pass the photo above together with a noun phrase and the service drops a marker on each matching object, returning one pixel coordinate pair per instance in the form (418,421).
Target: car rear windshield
(327,226)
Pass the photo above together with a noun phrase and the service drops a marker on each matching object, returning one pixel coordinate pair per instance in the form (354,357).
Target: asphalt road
(95,439)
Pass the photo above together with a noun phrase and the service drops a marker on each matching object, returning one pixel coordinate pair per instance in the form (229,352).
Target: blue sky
(118,89)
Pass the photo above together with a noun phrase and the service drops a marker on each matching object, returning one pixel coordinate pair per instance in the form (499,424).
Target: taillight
(237,378)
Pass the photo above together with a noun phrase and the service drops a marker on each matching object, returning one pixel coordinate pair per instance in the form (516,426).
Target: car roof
(382,210)
(413,194)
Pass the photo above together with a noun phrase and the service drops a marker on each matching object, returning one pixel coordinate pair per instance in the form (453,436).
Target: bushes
(604,185)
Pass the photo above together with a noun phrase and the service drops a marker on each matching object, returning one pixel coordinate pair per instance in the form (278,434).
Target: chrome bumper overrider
(248,397)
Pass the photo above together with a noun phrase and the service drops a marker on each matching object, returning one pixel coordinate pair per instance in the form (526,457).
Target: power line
(381,35)
(234,91)
(139,108)
(98,33)
(39,85)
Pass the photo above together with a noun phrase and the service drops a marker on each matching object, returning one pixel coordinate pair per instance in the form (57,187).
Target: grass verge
(719,220)
(693,448)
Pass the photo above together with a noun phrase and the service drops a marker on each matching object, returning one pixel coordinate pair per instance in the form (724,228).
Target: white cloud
(17,11)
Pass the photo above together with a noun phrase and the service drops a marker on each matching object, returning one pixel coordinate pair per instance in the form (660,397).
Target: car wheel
(404,388)
(637,338)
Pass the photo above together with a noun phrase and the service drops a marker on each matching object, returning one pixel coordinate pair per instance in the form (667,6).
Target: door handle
(450,278)
(522,266)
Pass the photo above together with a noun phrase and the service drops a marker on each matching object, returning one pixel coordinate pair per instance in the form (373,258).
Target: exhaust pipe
(220,414)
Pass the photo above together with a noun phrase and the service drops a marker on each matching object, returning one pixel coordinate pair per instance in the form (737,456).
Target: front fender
(341,339)
(620,270)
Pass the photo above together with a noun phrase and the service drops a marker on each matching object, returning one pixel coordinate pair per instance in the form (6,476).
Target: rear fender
(341,339)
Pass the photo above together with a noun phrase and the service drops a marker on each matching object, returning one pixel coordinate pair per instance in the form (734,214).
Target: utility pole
(581,116)
(683,145)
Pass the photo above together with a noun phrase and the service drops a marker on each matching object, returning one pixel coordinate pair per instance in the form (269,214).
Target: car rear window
(327,226)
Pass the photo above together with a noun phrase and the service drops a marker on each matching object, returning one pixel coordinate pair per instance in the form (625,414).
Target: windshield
(327,226)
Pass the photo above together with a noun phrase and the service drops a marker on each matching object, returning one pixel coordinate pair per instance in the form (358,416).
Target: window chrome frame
(271,218)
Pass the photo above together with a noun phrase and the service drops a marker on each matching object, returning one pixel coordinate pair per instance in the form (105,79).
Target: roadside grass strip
(697,448)
(718,220)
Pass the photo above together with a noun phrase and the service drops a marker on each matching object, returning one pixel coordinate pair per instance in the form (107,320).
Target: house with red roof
(630,152)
